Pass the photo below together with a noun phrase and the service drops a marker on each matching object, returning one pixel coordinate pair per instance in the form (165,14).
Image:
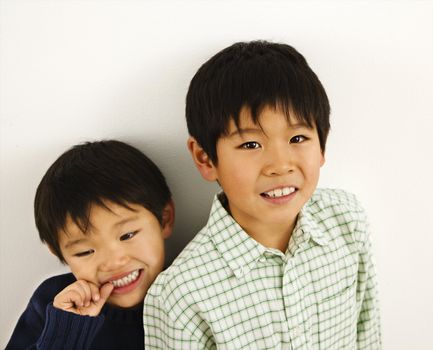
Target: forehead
(269,116)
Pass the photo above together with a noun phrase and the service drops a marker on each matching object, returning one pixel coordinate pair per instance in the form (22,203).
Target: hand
(83,298)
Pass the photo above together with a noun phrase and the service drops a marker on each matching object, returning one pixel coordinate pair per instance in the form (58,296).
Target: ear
(202,161)
(322,160)
(168,219)
(51,250)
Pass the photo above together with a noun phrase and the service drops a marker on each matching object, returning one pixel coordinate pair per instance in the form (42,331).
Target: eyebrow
(70,244)
(117,224)
(126,220)
(299,126)
(241,131)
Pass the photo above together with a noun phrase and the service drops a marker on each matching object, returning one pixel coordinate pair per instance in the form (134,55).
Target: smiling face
(268,171)
(122,246)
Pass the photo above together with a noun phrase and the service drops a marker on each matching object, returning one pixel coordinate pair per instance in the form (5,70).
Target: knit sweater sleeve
(42,326)
(66,330)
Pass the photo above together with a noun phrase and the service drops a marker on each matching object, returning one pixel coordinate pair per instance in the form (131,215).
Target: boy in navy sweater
(104,209)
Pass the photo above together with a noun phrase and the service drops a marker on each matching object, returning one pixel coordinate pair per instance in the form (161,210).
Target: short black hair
(89,174)
(253,74)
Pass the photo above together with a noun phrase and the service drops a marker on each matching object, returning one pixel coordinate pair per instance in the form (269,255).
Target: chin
(125,301)
(125,305)
(283,216)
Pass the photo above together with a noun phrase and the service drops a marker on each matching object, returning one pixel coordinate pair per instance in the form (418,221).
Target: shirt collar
(236,247)
(240,251)
(307,228)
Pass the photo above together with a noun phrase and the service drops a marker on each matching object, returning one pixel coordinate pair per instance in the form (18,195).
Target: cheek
(152,253)
(312,161)
(237,176)
(81,271)
(236,188)
(312,174)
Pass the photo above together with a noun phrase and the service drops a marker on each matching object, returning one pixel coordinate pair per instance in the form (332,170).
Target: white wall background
(72,71)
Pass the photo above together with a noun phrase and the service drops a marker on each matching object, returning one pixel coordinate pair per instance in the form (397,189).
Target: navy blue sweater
(42,326)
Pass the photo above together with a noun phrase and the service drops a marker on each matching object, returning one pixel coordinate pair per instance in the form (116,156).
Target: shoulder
(336,202)
(55,284)
(339,211)
(331,197)
(191,263)
(199,265)
(48,289)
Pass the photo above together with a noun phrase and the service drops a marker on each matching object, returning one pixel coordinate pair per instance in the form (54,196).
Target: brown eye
(298,139)
(86,253)
(128,236)
(251,145)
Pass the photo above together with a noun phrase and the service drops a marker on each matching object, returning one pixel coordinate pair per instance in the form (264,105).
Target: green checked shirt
(227,291)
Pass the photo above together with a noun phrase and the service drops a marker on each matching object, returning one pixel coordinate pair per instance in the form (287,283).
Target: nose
(113,259)
(279,160)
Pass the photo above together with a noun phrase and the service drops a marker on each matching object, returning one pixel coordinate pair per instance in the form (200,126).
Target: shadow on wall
(130,117)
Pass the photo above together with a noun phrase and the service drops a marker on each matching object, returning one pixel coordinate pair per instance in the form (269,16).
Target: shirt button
(239,272)
(297,331)
(262,259)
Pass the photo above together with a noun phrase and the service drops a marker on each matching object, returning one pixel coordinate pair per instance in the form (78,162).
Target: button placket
(294,305)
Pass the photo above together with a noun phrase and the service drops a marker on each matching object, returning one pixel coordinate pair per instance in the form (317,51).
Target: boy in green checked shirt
(280,264)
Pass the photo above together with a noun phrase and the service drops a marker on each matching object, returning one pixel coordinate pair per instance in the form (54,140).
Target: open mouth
(279,192)
(126,280)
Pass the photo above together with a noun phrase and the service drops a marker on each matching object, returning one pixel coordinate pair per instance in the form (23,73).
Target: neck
(268,235)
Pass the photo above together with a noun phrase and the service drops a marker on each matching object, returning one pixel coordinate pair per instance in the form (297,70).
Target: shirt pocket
(337,319)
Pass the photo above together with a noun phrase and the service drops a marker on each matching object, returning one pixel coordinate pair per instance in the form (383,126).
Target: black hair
(253,74)
(89,174)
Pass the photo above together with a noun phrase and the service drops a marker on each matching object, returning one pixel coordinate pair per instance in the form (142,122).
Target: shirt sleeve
(57,330)
(161,331)
(368,326)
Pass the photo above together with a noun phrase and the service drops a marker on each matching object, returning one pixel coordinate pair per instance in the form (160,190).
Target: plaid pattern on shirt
(227,291)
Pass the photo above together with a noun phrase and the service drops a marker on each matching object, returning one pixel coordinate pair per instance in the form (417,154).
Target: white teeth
(121,282)
(279,192)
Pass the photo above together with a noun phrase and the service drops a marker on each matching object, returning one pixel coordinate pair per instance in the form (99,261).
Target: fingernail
(96,297)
